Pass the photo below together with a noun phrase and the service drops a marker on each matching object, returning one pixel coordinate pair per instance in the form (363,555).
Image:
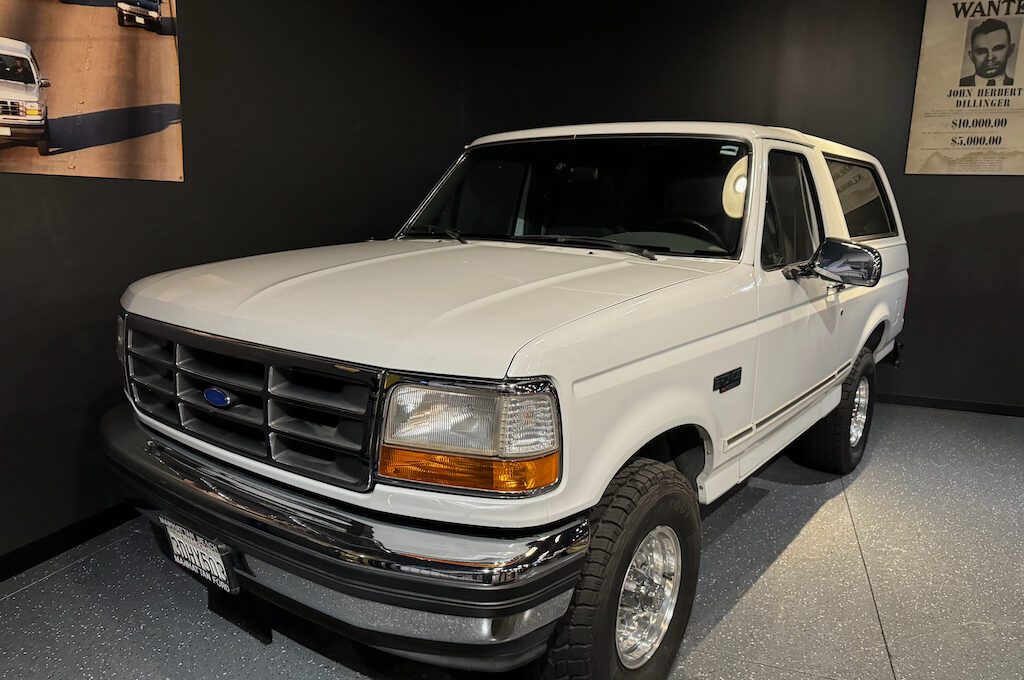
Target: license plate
(140,20)
(5,132)
(201,556)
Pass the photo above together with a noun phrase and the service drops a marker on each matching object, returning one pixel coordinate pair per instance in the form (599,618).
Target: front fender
(642,421)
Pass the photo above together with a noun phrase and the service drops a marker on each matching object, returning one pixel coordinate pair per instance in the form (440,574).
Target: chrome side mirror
(847,262)
(843,262)
(43,82)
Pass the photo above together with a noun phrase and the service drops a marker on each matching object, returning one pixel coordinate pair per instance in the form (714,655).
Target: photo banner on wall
(90,88)
(969,102)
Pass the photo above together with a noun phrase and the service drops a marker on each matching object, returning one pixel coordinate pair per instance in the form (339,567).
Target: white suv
(483,443)
(22,96)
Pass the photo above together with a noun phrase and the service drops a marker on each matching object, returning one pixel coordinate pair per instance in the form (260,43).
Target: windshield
(16,69)
(669,194)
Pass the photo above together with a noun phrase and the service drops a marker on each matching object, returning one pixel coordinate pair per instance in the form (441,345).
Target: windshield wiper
(454,234)
(588,241)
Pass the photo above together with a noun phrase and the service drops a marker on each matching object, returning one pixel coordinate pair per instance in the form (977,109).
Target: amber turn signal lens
(485,474)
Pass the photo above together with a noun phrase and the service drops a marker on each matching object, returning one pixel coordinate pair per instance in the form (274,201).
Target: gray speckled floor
(912,567)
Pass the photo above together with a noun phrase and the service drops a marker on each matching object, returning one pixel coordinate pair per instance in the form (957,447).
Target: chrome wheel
(648,597)
(859,417)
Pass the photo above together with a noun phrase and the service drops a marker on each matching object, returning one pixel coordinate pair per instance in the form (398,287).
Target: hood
(18,91)
(418,305)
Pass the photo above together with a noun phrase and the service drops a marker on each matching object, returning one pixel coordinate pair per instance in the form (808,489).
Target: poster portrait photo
(90,88)
(968,114)
(990,52)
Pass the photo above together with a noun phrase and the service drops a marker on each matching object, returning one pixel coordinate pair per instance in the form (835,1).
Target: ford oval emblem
(218,397)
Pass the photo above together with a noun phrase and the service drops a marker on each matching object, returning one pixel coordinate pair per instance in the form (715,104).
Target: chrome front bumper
(450,595)
(22,129)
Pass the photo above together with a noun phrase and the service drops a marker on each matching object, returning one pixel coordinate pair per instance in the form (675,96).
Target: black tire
(121,19)
(643,495)
(826,446)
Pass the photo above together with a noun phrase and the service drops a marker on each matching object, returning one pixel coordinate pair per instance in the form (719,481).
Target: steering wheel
(686,226)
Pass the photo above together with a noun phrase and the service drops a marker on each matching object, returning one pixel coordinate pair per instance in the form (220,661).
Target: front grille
(309,415)
(8,108)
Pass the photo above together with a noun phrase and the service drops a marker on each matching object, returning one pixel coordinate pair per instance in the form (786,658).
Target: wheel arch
(876,331)
(689,447)
(874,340)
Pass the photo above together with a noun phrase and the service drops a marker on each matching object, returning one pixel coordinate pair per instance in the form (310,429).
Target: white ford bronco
(483,442)
(23,116)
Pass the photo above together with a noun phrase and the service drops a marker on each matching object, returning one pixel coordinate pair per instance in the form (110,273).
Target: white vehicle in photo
(139,13)
(23,115)
(483,443)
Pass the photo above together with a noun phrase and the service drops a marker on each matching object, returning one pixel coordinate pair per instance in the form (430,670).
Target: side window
(791,217)
(771,249)
(866,209)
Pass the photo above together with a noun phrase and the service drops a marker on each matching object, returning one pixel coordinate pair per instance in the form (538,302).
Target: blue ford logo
(218,397)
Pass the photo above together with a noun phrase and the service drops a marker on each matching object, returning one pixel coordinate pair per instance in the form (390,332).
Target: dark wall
(327,122)
(319,124)
(838,69)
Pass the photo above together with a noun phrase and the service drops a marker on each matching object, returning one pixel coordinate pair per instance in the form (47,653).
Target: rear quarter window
(866,207)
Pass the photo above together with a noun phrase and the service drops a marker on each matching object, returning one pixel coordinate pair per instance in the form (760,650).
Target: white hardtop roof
(735,130)
(15,48)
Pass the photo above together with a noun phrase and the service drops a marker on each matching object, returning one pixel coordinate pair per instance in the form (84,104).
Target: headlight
(154,15)
(33,109)
(484,439)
